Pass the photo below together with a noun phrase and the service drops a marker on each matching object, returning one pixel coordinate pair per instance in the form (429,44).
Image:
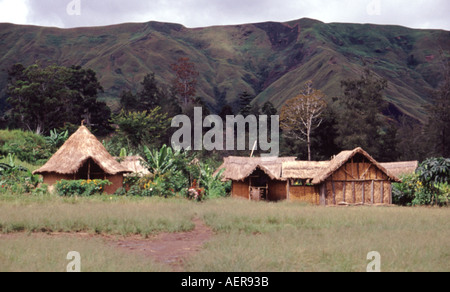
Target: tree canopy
(45,98)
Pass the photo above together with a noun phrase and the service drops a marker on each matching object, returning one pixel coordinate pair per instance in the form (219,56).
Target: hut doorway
(90,171)
(258,186)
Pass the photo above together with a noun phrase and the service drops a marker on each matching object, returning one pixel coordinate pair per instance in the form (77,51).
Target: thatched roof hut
(345,156)
(83,157)
(240,168)
(351,177)
(134,163)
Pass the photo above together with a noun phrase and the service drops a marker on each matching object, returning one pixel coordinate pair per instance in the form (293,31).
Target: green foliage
(15,178)
(433,173)
(428,186)
(150,96)
(404,193)
(45,98)
(84,188)
(24,145)
(161,161)
(56,140)
(140,128)
(437,128)
(214,187)
(171,175)
(360,122)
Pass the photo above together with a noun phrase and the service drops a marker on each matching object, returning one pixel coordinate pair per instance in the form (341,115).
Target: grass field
(249,236)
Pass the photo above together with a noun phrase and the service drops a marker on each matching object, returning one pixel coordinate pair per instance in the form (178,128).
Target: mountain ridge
(271,60)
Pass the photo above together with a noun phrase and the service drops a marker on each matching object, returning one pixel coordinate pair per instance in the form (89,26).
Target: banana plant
(10,166)
(56,140)
(162,161)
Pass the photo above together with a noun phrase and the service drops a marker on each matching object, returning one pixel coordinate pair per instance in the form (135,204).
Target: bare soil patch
(170,248)
(166,248)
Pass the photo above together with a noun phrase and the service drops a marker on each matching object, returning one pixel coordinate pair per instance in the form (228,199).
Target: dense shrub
(175,173)
(84,188)
(15,178)
(26,146)
(428,186)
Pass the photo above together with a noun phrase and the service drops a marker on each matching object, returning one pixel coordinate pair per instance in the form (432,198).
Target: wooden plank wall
(358,183)
(240,189)
(308,194)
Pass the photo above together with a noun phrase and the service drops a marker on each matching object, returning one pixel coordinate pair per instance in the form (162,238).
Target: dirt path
(170,248)
(167,248)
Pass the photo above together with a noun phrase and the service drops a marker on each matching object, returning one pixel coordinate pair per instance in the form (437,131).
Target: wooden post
(288,190)
(372,192)
(354,192)
(390,193)
(382,192)
(344,191)
(334,192)
(363,194)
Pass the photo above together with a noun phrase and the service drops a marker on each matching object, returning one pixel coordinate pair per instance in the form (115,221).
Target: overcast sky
(199,13)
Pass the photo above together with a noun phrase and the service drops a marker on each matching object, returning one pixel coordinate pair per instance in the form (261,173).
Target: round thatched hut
(83,157)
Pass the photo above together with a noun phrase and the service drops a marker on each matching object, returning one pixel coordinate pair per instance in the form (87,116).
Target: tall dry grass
(249,236)
(101,215)
(286,237)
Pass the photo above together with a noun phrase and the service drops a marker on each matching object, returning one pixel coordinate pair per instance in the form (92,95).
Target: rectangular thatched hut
(83,157)
(352,177)
(256,178)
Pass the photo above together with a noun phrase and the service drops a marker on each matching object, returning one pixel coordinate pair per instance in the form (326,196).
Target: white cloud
(14,11)
(199,13)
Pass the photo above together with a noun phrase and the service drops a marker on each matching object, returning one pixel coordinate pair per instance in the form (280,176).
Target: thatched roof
(401,168)
(239,168)
(134,163)
(77,150)
(304,169)
(343,158)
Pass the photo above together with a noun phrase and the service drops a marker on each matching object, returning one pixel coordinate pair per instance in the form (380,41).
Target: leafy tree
(86,88)
(245,100)
(39,98)
(360,122)
(45,98)
(149,97)
(268,109)
(437,129)
(303,113)
(185,82)
(138,129)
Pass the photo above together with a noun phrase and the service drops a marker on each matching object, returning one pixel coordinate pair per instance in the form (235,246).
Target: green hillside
(271,60)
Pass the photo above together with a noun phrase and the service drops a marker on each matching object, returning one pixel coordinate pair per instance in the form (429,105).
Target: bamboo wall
(240,189)
(308,194)
(358,183)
